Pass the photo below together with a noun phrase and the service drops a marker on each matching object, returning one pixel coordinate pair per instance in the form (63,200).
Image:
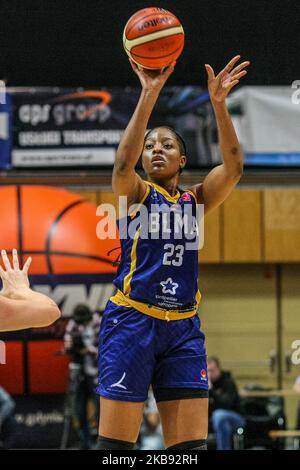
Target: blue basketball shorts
(137,350)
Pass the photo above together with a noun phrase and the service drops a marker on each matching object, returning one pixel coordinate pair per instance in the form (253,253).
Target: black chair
(238,440)
(262,415)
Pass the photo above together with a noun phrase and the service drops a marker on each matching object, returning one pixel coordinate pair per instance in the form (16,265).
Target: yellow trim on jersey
(162,314)
(128,277)
(164,192)
(168,196)
(133,214)
(146,194)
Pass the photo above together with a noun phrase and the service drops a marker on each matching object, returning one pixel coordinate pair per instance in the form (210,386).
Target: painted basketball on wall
(56,227)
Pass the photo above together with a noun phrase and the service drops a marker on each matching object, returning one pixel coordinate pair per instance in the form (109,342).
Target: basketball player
(20,306)
(150,331)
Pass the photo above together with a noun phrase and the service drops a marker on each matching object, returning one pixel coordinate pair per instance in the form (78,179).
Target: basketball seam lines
(154,58)
(153,36)
(52,229)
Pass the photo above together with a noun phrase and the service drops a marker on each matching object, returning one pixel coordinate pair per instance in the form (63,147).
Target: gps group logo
(79,106)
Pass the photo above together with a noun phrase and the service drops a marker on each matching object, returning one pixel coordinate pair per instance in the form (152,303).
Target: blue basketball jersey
(159,252)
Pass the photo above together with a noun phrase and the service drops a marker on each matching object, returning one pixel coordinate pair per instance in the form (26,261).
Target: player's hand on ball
(152,80)
(219,86)
(13,278)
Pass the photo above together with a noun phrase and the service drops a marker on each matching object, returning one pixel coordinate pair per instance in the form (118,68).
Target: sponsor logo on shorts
(119,383)
(203,374)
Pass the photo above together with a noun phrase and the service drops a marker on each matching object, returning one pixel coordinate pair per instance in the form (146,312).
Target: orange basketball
(153,38)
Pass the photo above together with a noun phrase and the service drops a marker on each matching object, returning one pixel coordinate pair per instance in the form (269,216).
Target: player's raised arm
(126,181)
(220,181)
(20,306)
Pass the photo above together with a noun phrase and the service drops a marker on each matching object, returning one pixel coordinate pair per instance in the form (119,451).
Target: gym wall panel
(89,195)
(211,251)
(242,238)
(106,197)
(290,332)
(282,225)
(238,314)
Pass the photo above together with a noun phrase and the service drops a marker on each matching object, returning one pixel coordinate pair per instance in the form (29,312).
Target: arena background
(39,38)
(250,265)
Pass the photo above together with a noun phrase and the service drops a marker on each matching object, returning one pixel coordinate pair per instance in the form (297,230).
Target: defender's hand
(13,278)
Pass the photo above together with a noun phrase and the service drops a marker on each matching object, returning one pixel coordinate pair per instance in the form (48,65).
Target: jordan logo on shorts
(119,384)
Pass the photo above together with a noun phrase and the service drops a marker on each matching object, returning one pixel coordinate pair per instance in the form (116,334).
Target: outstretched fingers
(166,71)
(27,265)
(228,86)
(231,63)
(134,66)
(2,273)
(240,67)
(5,260)
(15,259)
(210,72)
(239,75)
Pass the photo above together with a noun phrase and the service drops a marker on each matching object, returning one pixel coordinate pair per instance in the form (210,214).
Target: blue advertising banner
(76,127)
(72,127)
(5,131)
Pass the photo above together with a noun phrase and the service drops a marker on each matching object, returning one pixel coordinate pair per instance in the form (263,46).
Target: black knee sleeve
(105,443)
(200,444)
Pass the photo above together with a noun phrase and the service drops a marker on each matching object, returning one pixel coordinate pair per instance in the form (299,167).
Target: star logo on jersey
(169,287)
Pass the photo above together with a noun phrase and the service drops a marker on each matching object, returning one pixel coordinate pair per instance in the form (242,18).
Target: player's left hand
(13,278)
(219,86)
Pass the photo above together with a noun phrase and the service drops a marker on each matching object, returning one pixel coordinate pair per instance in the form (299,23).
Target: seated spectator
(7,420)
(81,341)
(224,404)
(151,433)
